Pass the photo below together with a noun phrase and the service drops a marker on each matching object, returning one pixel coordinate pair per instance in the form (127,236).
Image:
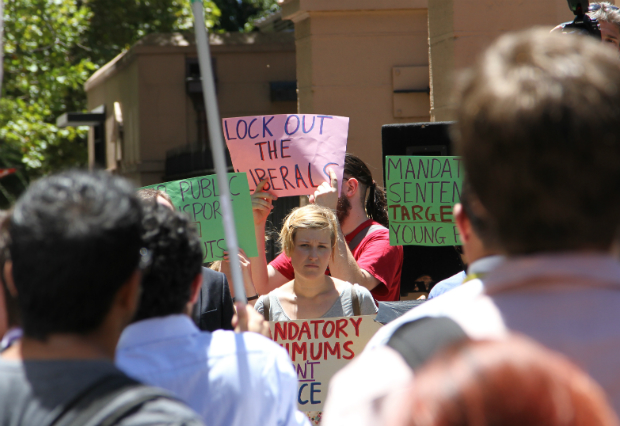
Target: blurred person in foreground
(480,249)
(229,378)
(214,307)
(537,126)
(363,252)
(512,382)
(76,262)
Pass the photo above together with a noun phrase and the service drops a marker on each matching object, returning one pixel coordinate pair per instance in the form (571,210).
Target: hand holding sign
(262,203)
(292,152)
(247,319)
(199,198)
(246,271)
(326,194)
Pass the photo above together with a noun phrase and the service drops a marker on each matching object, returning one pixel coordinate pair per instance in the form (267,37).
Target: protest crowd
(109,314)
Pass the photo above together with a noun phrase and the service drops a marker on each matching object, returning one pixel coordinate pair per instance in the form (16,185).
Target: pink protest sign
(292,151)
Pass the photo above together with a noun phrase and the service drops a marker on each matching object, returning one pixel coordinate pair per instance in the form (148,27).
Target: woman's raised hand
(247,319)
(262,203)
(246,271)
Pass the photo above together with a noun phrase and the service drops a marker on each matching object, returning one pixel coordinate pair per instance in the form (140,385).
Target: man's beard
(343,209)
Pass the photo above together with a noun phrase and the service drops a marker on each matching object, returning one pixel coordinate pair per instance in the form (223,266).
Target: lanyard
(471,277)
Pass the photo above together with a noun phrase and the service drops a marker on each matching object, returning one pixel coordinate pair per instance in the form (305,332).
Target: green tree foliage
(237,15)
(118,24)
(43,77)
(51,48)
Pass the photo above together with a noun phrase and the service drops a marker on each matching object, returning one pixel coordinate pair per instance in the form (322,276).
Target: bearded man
(363,252)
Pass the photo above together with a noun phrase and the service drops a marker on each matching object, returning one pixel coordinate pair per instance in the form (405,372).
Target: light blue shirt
(11,336)
(446,285)
(481,266)
(228,378)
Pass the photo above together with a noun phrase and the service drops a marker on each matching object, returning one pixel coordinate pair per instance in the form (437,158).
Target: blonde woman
(308,237)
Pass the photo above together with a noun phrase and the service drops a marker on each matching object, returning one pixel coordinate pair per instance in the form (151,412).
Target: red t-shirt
(373,254)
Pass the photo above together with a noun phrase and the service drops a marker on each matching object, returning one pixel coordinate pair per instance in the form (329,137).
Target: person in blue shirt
(232,379)
(448,284)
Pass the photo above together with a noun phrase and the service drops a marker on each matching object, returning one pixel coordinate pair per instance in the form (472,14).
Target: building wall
(349,58)
(243,82)
(122,85)
(163,110)
(459,30)
(149,82)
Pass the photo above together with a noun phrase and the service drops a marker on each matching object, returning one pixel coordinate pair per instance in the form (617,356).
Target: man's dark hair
(375,203)
(537,125)
(176,260)
(75,240)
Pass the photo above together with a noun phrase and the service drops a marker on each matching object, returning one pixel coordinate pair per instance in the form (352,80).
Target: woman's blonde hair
(307,217)
(216,266)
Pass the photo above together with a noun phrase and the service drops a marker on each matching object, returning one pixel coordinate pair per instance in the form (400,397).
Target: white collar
(159,328)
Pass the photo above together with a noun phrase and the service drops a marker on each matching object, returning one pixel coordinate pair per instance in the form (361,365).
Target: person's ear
(350,187)
(462,223)
(162,201)
(195,288)
(8,278)
(128,296)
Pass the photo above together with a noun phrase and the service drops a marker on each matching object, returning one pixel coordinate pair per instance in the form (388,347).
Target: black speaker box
(422,139)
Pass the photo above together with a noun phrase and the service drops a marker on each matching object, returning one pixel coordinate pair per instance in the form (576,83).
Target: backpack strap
(266,306)
(112,408)
(106,401)
(362,234)
(419,340)
(105,384)
(355,301)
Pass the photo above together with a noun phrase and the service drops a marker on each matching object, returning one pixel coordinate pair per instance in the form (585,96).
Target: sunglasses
(146,259)
(597,6)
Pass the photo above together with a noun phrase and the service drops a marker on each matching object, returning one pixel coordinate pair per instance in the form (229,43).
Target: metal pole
(217,146)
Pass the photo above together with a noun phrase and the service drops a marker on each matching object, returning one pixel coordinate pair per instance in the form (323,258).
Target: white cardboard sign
(319,348)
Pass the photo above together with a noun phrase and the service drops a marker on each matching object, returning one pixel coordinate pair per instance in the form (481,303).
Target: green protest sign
(199,198)
(421,192)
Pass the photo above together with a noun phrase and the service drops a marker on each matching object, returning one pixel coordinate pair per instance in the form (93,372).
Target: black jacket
(214,307)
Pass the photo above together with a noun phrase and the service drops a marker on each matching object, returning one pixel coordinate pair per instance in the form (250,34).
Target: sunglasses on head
(146,259)
(596,6)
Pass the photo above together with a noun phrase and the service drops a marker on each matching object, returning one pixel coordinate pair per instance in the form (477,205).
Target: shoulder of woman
(341,285)
(260,304)
(369,305)
(362,292)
